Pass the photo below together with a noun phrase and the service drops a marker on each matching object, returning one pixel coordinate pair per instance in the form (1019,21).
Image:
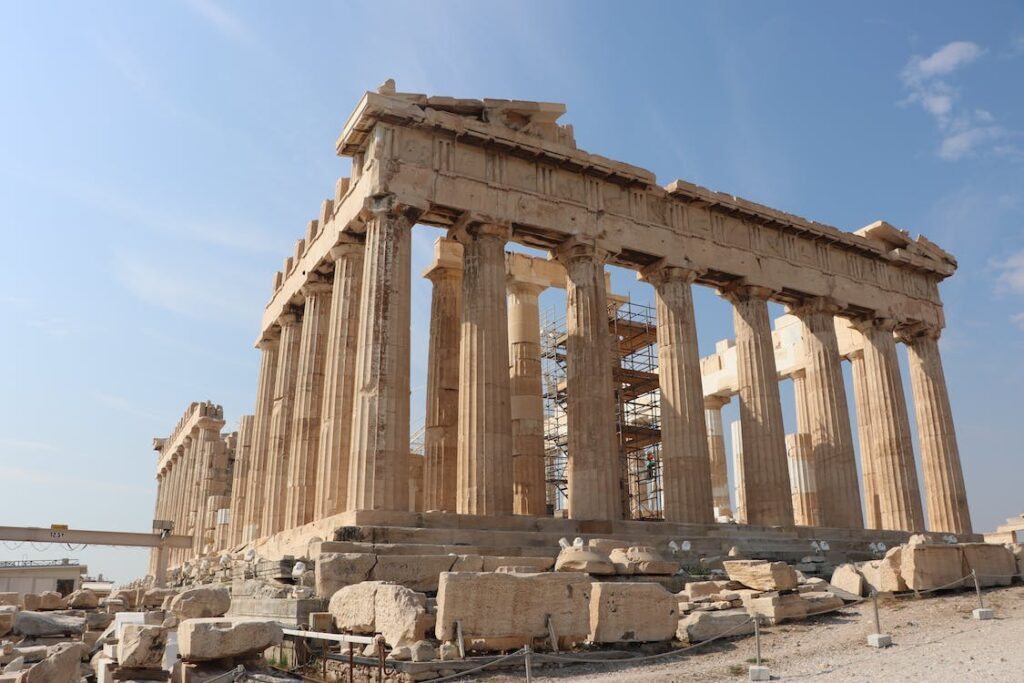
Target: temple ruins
(329,445)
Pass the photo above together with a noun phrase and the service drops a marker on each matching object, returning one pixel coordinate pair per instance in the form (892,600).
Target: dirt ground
(935,639)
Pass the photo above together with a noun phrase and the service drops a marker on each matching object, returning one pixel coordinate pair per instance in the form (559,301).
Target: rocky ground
(935,639)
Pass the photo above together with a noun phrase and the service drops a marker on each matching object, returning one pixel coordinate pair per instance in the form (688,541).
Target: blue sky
(158,160)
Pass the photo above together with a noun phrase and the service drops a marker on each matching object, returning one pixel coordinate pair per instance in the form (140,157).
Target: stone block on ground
(848,578)
(39,624)
(819,602)
(60,665)
(994,564)
(154,597)
(83,599)
(883,576)
(12,599)
(631,612)
(396,612)
(536,564)
(7,614)
(30,602)
(207,639)
(700,626)
(778,608)
(499,611)
(127,595)
(641,560)
(1018,553)
(927,567)
(141,646)
(584,559)
(761,575)
(416,572)
(51,600)
(703,589)
(334,571)
(201,602)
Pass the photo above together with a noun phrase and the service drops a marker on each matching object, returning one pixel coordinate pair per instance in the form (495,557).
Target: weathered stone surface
(778,608)
(1018,553)
(993,564)
(154,597)
(492,562)
(589,560)
(83,599)
(50,600)
(97,621)
(468,563)
(819,602)
(641,560)
(631,612)
(423,651)
(926,567)
(883,576)
(761,575)
(7,613)
(43,624)
(417,572)
(206,639)
(16,664)
(702,589)
(700,626)
(127,595)
(847,578)
(334,571)
(507,610)
(141,646)
(11,599)
(60,665)
(396,612)
(30,602)
(201,602)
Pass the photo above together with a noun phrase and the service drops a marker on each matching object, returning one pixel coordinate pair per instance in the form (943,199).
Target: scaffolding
(633,330)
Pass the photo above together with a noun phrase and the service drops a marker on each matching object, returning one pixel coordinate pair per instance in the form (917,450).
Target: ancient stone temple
(329,444)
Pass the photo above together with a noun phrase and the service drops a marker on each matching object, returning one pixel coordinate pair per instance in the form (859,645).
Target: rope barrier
(452,677)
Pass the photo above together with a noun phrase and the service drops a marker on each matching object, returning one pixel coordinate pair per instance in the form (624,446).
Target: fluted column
(686,467)
(945,493)
(716,454)
(339,380)
(803,480)
(255,484)
(765,468)
(832,456)
(192,486)
(872,511)
(528,475)
(379,462)
(239,480)
(441,427)
(594,484)
(485,411)
(209,435)
(736,435)
(894,470)
(278,439)
(304,434)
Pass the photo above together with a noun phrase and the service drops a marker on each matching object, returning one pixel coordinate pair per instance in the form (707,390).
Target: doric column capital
(908,334)
(870,324)
(448,259)
(469,228)
(288,318)
(815,304)
(270,338)
(575,249)
(347,246)
(315,287)
(716,402)
(521,288)
(741,291)
(661,272)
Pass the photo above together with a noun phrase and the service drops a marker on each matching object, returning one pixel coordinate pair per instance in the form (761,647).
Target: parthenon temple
(508,448)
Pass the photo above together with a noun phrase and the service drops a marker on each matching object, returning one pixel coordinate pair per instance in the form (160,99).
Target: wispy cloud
(964,130)
(1011,273)
(223,21)
(26,445)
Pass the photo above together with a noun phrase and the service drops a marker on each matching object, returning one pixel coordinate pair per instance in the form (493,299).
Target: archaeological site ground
(567,508)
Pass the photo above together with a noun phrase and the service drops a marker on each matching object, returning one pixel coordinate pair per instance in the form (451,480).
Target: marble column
(686,467)
(339,380)
(209,434)
(593,472)
(190,512)
(894,469)
(832,457)
(379,461)
(528,473)
(240,479)
(872,511)
(441,428)
(736,435)
(304,433)
(803,480)
(278,438)
(945,493)
(765,468)
(716,454)
(252,517)
(485,411)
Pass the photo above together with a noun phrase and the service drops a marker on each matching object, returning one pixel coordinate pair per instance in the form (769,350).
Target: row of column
(331,430)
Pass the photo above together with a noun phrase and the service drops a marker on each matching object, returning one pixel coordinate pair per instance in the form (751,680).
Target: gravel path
(935,639)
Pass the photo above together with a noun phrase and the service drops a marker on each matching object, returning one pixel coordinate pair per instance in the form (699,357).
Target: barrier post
(878,639)
(528,658)
(757,671)
(982,613)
